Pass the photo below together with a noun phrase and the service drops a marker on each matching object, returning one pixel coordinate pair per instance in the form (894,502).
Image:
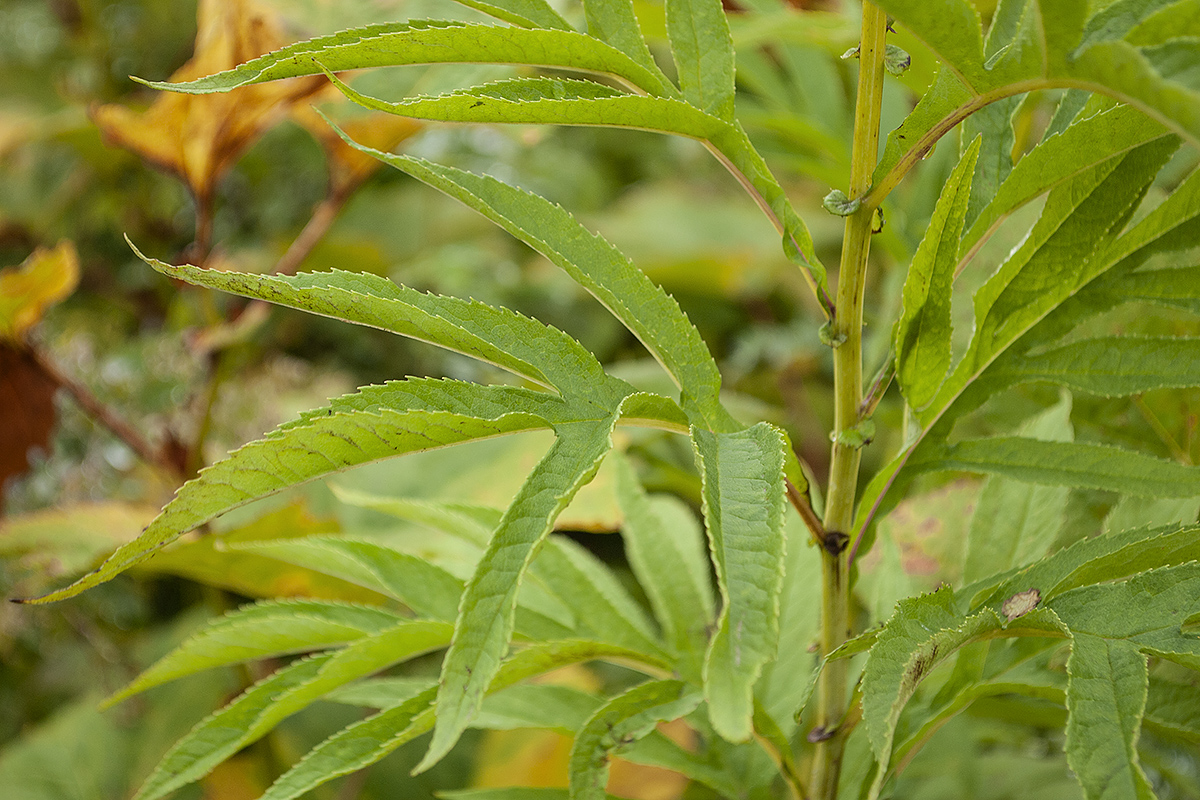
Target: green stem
(830,739)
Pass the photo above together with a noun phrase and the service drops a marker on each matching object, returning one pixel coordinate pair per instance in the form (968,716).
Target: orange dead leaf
(198,137)
(46,277)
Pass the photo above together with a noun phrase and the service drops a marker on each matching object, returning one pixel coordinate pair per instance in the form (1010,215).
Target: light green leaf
(486,612)
(526,13)
(1087,142)
(1080,218)
(547,101)
(260,630)
(992,125)
(614,21)
(1112,556)
(922,336)
(923,632)
(1135,512)
(624,719)
(604,609)
(428,590)
(291,456)
(780,691)
(512,793)
(282,694)
(432,42)
(379,692)
(1173,709)
(545,705)
(365,742)
(703,49)
(666,552)
(743,499)
(1106,695)
(498,336)
(1088,466)
(1147,610)
(652,315)
(1052,48)
(1111,366)
(1016,523)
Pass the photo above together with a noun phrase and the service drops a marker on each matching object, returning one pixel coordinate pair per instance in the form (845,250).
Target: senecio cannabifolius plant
(1082,631)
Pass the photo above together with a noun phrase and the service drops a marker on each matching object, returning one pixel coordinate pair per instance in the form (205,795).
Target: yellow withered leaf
(199,137)
(45,278)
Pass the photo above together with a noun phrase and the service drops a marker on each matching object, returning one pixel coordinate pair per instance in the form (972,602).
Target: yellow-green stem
(848,390)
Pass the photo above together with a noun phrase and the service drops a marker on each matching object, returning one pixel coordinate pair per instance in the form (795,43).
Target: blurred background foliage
(116,385)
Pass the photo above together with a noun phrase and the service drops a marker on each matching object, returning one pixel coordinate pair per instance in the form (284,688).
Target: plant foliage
(1081,629)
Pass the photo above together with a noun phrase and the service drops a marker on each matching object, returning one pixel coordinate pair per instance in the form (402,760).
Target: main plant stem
(828,733)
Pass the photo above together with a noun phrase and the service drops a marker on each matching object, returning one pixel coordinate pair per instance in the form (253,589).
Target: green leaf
(291,456)
(546,101)
(1147,610)
(992,125)
(432,42)
(1087,466)
(356,746)
(1087,142)
(366,742)
(428,590)
(525,705)
(651,314)
(292,688)
(604,609)
(703,49)
(1173,710)
(497,336)
(1111,366)
(743,499)
(1053,46)
(624,719)
(486,613)
(923,632)
(1014,522)
(274,628)
(526,13)
(666,552)
(614,21)
(1106,695)
(922,335)
(1112,556)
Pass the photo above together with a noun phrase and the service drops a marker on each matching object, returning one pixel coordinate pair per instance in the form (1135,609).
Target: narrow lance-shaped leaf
(1111,366)
(923,331)
(1106,696)
(485,621)
(622,720)
(652,315)
(264,629)
(521,345)
(562,102)
(666,552)
(703,50)
(615,22)
(365,742)
(607,612)
(292,456)
(923,632)
(431,42)
(292,688)
(1084,144)
(1016,522)
(526,13)
(743,499)
(1086,466)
